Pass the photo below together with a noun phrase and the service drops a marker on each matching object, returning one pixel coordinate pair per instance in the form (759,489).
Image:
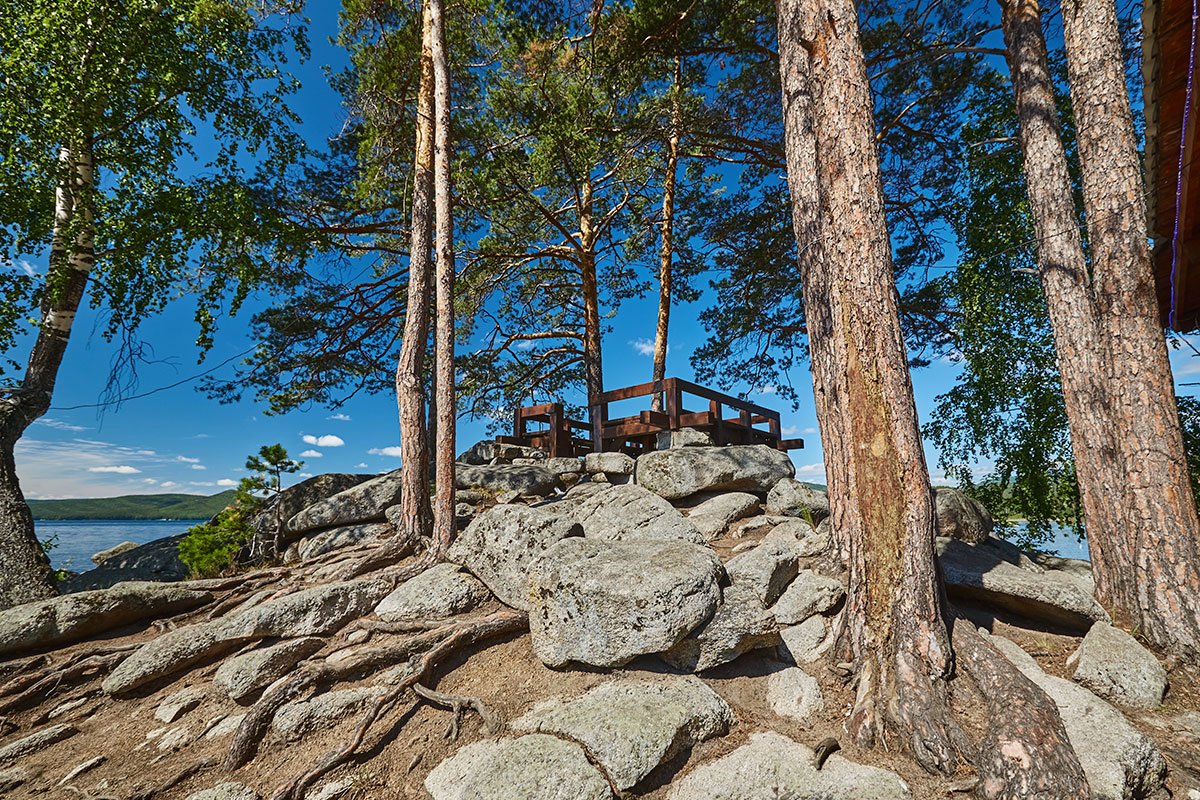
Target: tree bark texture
(1148,568)
(1025,754)
(444,394)
(666,255)
(881,502)
(593,371)
(26,574)
(410,387)
(1133,485)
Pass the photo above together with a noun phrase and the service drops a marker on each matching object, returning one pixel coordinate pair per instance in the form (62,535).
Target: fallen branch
(1025,753)
(460,704)
(461,634)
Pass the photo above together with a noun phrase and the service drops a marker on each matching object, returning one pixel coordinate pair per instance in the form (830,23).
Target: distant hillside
(134,506)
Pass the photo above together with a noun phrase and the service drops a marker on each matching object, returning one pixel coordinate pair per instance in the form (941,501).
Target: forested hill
(134,506)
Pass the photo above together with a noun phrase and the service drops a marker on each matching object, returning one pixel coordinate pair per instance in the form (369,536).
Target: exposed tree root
(173,781)
(460,704)
(452,637)
(1025,753)
(10,669)
(387,556)
(83,666)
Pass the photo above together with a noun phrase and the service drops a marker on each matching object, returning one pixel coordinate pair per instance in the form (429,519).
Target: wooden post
(718,414)
(556,423)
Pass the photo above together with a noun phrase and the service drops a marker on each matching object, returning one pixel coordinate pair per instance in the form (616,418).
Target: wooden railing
(548,428)
(750,423)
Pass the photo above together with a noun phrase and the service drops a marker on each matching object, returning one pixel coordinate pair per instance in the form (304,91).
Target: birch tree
(99,110)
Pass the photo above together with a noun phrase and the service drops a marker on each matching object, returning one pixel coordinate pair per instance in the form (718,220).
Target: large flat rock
(156,560)
(997,573)
(631,726)
(1115,666)
(792,498)
(631,512)
(679,472)
(605,603)
(59,620)
(500,544)
(240,677)
(524,479)
(740,624)
(533,767)
(773,767)
(363,502)
(443,590)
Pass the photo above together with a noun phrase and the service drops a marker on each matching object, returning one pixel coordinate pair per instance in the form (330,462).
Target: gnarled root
(1025,753)
(451,638)
(460,704)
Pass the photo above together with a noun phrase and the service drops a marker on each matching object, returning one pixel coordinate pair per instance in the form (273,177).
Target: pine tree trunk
(410,385)
(26,574)
(1148,568)
(666,255)
(444,399)
(879,484)
(593,372)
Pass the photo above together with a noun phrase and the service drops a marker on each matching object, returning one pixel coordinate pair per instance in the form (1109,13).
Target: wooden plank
(791,444)
(655,418)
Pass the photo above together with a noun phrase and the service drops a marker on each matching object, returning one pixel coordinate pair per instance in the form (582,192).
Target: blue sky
(177,440)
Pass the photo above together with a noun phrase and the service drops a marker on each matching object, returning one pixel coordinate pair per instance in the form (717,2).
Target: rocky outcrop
(713,515)
(740,624)
(335,538)
(608,464)
(533,767)
(488,450)
(679,472)
(59,620)
(115,550)
(995,572)
(767,569)
(441,591)
(1115,666)
(596,602)
(314,714)
(791,498)
(773,766)
(629,727)
(525,479)
(156,560)
(684,437)
(500,544)
(294,499)
(35,742)
(960,516)
(363,502)
(630,512)
(244,675)
(1119,761)
(808,594)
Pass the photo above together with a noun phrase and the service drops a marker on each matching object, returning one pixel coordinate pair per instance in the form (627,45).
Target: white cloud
(312,454)
(59,425)
(227,482)
(339,417)
(768,389)
(809,430)
(150,481)
(187,460)
(393,451)
(328,440)
(199,466)
(811,469)
(124,469)
(643,347)
(525,344)
(304,474)
(789,430)
(361,465)
(201,483)
(168,484)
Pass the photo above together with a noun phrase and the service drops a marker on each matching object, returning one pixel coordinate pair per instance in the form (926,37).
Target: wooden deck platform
(726,419)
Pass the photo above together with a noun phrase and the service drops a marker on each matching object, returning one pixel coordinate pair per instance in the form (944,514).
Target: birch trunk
(410,394)
(593,371)
(881,502)
(444,399)
(666,256)
(26,574)
(1146,562)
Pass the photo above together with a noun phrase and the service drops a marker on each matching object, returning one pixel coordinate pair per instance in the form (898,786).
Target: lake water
(78,539)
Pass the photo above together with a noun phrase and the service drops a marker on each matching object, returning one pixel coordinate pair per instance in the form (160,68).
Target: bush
(212,548)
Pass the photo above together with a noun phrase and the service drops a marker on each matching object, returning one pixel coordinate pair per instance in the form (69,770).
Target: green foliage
(184,106)
(269,467)
(134,506)
(212,548)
